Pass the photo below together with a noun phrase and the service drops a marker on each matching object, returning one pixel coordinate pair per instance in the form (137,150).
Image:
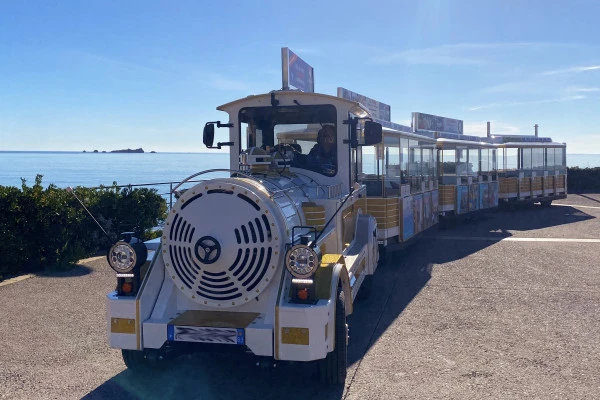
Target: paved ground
(506,306)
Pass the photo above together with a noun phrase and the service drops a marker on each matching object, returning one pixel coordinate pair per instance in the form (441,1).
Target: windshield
(294,136)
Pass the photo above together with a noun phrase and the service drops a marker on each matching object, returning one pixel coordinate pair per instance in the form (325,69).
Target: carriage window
(560,159)
(414,166)
(434,162)
(461,162)
(392,170)
(428,166)
(404,159)
(526,159)
(448,162)
(550,158)
(537,158)
(485,161)
(473,161)
(511,159)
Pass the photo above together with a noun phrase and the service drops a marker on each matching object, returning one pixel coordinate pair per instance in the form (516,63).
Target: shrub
(42,227)
(583,180)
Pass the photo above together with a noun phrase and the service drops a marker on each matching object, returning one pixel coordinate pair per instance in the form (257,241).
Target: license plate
(200,334)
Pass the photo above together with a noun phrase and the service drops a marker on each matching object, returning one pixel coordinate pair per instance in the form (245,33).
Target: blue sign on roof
(296,72)
(377,109)
(393,125)
(435,123)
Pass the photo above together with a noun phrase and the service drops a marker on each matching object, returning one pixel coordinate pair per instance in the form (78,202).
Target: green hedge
(583,180)
(49,227)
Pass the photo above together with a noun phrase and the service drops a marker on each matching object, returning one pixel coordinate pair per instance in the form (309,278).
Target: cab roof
(299,94)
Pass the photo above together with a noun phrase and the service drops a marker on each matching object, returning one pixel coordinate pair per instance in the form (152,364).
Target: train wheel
(364,292)
(333,368)
(137,360)
(382,255)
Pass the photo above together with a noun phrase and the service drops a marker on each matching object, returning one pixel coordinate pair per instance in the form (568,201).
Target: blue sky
(105,75)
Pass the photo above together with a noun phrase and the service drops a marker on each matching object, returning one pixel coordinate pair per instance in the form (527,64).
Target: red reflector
(303,294)
(126,287)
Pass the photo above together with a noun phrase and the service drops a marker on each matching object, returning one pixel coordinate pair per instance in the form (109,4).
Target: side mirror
(208,136)
(373,133)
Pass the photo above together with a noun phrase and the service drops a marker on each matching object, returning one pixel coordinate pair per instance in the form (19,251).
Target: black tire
(137,360)
(365,289)
(333,368)
(443,222)
(546,203)
(382,255)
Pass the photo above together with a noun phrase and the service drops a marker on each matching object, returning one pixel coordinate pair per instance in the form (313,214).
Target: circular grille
(220,244)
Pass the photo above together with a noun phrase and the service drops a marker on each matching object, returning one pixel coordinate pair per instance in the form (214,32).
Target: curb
(16,279)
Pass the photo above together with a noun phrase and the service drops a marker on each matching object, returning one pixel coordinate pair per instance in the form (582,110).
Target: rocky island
(140,150)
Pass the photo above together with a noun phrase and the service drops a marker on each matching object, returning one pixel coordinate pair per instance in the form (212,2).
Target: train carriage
(401,186)
(532,170)
(468,176)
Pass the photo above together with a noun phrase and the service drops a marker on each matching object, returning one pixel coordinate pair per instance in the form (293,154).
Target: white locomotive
(271,257)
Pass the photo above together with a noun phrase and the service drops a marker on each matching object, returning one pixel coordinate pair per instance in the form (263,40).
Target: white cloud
(461,53)
(496,127)
(583,89)
(572,70)
(522,103)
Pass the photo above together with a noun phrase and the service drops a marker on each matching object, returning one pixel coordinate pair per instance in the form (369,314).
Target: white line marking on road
(515,239)
(575,206)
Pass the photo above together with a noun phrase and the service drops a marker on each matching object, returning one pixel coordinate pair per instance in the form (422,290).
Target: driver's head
(326,137)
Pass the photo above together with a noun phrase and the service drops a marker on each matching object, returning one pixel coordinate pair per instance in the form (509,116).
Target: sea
(160,170)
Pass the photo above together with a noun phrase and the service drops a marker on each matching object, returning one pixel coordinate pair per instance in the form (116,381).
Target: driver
(323,155)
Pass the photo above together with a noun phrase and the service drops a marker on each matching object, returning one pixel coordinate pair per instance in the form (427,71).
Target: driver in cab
(323,156)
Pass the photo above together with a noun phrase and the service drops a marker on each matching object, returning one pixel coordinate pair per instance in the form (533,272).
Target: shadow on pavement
(77,270)
(497,224)
(217,376)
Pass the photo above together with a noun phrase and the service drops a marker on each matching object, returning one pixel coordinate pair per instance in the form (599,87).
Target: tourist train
(273,257)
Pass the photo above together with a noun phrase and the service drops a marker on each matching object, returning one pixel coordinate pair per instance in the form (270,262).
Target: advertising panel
(427,210)
(408,222)
(474,197)
(521,138)
(434,206)
(435,123)
(296,72)
(484,195)
(377,109)
(393,125)
(418,212)
(493,194)
(462,199)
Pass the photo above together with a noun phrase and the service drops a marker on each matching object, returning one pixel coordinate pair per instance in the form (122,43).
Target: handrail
(175,185)
(214,170)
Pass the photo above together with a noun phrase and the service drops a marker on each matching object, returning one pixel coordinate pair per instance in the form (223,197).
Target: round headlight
(123,257)
(302,261)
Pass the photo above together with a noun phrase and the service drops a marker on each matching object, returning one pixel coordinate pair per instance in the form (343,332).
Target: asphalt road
(505,306)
